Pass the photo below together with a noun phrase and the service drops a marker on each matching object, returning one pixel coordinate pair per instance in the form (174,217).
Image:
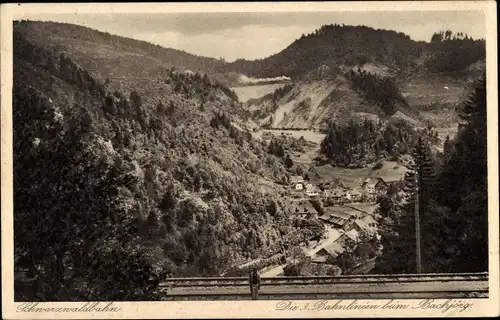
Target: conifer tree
(419,185)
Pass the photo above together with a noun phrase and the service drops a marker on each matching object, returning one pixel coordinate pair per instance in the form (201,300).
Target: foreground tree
(70,230)
(453,209)
(464,186)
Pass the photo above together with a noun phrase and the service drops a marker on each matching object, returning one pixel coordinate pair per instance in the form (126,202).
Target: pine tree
(447,145)
(288,161)
(419,185)
(464,186)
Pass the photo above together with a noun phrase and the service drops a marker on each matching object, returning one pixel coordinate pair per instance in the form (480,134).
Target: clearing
(391,171)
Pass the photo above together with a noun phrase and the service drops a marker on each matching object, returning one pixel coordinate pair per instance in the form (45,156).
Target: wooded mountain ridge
(333,45)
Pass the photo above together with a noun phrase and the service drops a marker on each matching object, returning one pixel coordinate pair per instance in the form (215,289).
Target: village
(345,212)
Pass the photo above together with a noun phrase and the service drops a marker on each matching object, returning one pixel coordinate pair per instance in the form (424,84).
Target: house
(370,221)
(356,195)
(267,134)
(297,182)
(335,249)
(365,224)
(338,219)
(332,250)
(304,210)
(352,235)
(364,208)
(311,190)
(373,186)
(337,195)
(348,210)
(296,179)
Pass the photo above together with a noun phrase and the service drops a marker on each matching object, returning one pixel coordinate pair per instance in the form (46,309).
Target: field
(443,132)
(246,93)
(391,171)
(434,90)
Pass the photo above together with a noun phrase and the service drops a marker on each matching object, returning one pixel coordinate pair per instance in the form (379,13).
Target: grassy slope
(353,178)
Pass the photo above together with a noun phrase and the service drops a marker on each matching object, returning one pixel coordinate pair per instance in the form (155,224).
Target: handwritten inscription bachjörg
(87,307)
(340,305)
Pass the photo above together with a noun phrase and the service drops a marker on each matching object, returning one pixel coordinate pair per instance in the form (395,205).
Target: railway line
(462,285)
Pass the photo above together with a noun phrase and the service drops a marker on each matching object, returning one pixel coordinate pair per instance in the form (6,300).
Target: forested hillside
(115,55)
(335,45)
(453,201)
(357,143)
(340,45)
(363,70)
(453,52)
(117,187)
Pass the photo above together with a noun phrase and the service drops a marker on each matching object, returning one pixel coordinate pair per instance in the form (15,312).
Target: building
(335,249)
(296,179)
(349,235)
(303,210)
(374,186)
(337,195)
(332,250)
(364,208)
(311,190)
(297,182)
(365,224)
(348,210)
(338,219)
(356,195)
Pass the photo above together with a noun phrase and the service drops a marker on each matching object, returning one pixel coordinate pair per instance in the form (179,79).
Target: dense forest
(334,45)
(453,202)
(454,52)
(116,190)
(358,143)
(382,91)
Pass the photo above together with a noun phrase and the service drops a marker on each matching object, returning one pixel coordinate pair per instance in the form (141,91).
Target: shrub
(378,165)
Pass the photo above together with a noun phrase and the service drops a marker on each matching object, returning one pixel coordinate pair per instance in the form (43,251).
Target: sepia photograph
(298,158)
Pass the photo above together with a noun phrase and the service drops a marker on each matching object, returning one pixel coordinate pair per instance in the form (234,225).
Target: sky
(255,35)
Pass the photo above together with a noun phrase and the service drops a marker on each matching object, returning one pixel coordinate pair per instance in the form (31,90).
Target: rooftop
(334,249)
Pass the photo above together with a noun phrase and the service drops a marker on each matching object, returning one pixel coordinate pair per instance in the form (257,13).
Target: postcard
(249,160)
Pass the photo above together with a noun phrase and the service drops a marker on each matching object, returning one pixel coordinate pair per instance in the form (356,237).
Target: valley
(162,164)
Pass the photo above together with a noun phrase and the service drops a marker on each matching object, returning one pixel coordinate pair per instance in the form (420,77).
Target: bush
(378,165)
(291,270)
